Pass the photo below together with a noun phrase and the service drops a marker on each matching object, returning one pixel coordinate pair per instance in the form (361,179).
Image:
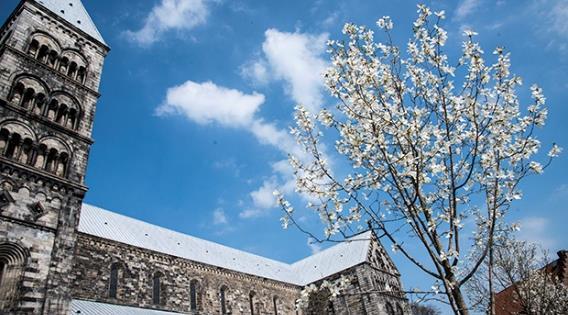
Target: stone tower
(51,58)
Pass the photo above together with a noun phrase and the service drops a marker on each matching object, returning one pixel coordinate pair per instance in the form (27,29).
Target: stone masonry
(49,79)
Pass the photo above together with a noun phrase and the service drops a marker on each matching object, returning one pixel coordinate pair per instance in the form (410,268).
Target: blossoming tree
(430,146)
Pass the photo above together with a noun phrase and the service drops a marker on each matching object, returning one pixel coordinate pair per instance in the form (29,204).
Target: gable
(378,257)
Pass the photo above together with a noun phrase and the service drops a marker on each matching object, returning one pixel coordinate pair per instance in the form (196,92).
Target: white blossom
(555,151)
(536,167)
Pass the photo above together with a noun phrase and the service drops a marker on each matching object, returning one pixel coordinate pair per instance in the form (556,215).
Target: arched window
(252,296)
(81,74)
(222,298)
(62,162)
(72,70)
(52,109)
(38,104)
(389,309)
(26,152)
(43,52)
(275,304)
(63,64)
(113,281)
(51,163)
(14,144)
(40,156)
(17,93)
(193,288)
(34,45)
(12,263)
(63,109)
(28,98)
(17,141)
(61,114)
(52,58)
(156,288)
(71,118)
(27,92)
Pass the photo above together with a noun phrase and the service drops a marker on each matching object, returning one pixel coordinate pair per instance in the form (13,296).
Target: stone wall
(375,288)
(41,195)
(366,295)
(370,292)
(94,257)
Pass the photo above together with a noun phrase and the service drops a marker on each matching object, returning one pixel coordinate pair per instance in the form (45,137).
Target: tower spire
(74,12)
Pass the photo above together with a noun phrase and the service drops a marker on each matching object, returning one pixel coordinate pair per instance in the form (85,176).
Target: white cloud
(252,213)
(535,230)
(331,20)
(264,196)
(263,199)
(256,71)
(296,59)
(270,134)
(559,18)
(555,23)
(207,102)
(466,8)
(219,217)
(293,58)
(170,15)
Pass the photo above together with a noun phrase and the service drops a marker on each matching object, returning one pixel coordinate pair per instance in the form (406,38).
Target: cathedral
(59,255)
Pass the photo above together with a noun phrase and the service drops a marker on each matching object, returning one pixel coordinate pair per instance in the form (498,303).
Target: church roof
(95,308)
(75,13)
(335,259)
(113,226)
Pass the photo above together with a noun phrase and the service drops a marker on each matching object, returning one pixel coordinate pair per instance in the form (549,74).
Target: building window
(12,263)
(275,305)
(156,288)
(222,298)
(251,302)
(113,283)
(390,310)
(193,287)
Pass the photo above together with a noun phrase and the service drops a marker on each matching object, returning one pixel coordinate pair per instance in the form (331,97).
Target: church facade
(61,256)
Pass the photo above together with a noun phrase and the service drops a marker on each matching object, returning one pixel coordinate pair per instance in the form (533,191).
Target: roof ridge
(187,235)
(91,20)
(339,243)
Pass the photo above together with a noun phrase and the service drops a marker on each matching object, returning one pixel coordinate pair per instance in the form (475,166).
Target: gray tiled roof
(95,308)
(74,12)
(109,225)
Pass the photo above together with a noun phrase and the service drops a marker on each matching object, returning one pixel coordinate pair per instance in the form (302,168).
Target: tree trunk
(491,310)
(459,300)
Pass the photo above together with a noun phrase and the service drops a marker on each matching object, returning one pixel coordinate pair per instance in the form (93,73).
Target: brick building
(61,256)
(506,302)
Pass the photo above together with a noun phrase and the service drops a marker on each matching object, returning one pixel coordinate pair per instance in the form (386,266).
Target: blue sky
(197,96)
